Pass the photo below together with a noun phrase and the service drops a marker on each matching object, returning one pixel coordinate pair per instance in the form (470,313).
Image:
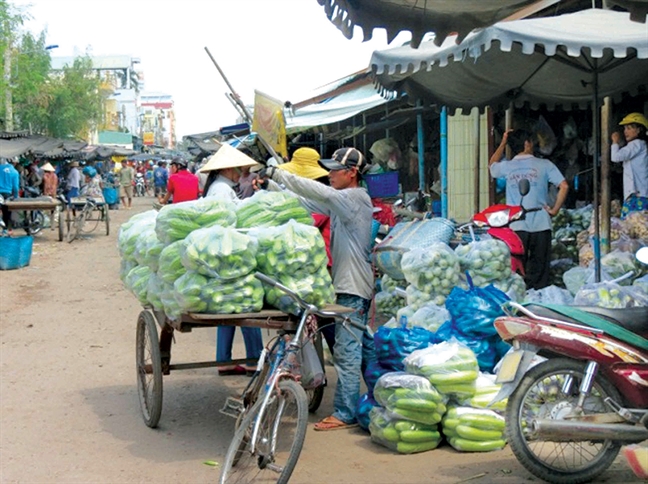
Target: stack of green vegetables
(295,255)
(433,270)
(176,221)
(148,248)
(271,209)
(486,261)
(134,275)
(485,391)
(473,430)
(170,268)
(411,397)
(388,302)
(403,436)
(429,316)
(451,367)
(514,286)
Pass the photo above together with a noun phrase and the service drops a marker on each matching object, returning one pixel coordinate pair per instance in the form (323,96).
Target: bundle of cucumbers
(271,209)
(403,436)
(176,221)
(473,430)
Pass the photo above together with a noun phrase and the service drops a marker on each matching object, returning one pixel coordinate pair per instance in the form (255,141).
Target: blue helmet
(90,171)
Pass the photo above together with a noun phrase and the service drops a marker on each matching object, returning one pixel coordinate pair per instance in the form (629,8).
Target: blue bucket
(15,252)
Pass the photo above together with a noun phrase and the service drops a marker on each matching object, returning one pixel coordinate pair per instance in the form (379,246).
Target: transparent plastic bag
(148,248)
(636,224)
(154,291)
(271,209)
(389,283)
(485,391)
(618,263)
(372,373)
(550,295)
(410,397)
(176,221)
(388,303)
(489,260)
(513,286)
(474,430)
(610,294)
(220,252)
(417,298)
(130,231)
(434,269)
(316,288)
(170,266)
(405,437)
(430,316)
(312,372)
(451,367)
(137,282)
(641,283)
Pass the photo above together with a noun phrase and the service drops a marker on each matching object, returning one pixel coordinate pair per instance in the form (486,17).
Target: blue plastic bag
(372,372)
(473,311)
(394,344)
(364,406)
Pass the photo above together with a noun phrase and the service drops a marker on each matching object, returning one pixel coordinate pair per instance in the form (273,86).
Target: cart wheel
(149,369)
(61,225)
(107,218)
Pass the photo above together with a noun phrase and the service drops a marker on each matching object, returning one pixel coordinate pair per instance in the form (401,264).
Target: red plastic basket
(382,185)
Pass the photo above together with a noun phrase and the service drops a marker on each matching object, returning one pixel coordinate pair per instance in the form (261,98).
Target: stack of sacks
(220,262)
(473,430)
(176,221)
(387,301)
(170,269)
(271,209)
(294,254)
(147,253)
(135,275)
(412,408)
(432,271)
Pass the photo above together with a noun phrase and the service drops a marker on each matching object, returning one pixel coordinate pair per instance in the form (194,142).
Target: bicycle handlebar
(304,305)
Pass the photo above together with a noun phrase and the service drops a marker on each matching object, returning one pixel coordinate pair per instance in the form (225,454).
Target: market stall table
(31,208)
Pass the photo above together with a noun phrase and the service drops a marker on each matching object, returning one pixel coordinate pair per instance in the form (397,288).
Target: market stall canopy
(336,101)
(39,146)
(550,61)
(446,17)
(443,17)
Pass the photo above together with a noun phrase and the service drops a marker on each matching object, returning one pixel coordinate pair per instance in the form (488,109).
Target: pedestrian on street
(182,185)
(634,156)
(73,181)
(351,212)
(160,179)
(535,229)
(50,180)
(9,187)
(126,177)
(224,170)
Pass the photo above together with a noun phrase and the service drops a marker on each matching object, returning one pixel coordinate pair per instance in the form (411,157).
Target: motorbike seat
(632,319)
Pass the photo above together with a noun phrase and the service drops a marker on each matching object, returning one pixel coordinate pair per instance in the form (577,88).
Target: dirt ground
(69,405)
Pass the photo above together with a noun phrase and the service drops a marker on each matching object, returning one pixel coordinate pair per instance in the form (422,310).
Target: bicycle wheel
(61,225)
(149,369)
(89,223)
(282,430)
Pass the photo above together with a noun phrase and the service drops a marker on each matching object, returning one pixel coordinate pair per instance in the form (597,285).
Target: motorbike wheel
(34,222)
(539,396)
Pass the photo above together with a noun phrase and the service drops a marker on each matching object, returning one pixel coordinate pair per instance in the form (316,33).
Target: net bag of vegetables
(220,252)
(176,221)
(485,260)
(403,436)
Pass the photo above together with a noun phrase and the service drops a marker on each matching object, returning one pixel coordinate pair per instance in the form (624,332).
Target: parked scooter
(140,185)
(569,414)
(32,221)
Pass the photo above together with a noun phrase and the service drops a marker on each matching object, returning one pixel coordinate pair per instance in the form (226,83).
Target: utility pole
(8,94)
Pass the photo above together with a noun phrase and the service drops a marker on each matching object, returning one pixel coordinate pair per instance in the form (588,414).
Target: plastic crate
(15,252)
(382,185)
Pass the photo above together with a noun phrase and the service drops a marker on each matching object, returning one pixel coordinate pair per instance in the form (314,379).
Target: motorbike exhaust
(574,431)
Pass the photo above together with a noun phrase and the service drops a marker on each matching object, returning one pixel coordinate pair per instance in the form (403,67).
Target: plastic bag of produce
(312,372)
(148,248)
(167,296)
(270,209)
(221,252)
(451,367)
(617,263)
(513,286)
(581,217)
(474,311)
(137,282)
(484,348)
(410,397)
(394,344)
(557,269)
(289,248)
(170,265)
(474,430)
(196,293)
(485,391)
(388,303)
(405,437)
(125,266)
(154,291)
(641,283)
(176,221)
(314,288)
(417,298)
(550,295)
(636,225)
(489,260)
(577,277)
(610,294)
(389,284)
(130,231)
(372,373)
(365,403)
(430,316)
(434,269)
(626,244)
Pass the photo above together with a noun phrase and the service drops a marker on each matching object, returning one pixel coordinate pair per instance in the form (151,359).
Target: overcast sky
(285,48)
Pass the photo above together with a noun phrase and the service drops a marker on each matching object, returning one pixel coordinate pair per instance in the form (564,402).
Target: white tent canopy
(550,61)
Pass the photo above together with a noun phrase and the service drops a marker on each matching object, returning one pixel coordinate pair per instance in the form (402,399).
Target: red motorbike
(577,386)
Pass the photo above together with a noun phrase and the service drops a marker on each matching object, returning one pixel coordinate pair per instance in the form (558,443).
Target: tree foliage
(67,103)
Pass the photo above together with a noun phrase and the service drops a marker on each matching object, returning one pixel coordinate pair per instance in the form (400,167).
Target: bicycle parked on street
(84,215)
(272,424)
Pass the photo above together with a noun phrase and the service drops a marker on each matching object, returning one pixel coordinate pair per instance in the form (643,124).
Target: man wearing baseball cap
(350,209)
(182,185)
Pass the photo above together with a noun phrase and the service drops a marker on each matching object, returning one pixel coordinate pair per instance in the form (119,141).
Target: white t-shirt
(634,157)
(222,188)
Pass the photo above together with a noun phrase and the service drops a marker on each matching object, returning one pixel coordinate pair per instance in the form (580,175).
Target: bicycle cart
(33,208)
(153,351)
(84,214)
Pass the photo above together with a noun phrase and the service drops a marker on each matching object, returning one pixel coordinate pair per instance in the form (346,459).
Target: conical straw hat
(227,157)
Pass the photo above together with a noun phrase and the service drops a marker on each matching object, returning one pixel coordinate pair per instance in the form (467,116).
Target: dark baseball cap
(181,162)
(346,158)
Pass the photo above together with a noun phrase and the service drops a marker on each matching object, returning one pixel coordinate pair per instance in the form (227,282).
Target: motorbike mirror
(524,186)
(398,203)
(642,255)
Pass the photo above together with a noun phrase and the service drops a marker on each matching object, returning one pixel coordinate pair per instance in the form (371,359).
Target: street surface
(69,405)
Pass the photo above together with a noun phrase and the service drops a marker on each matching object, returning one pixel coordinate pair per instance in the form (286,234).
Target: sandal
(237,370)
(332,423)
